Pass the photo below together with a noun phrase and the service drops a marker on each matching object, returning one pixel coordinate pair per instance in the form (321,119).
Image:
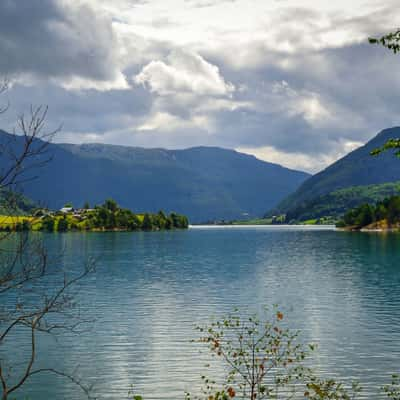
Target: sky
(290,81)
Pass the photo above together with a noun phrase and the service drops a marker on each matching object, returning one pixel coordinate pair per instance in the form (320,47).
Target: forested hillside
(318,194)
(204,183)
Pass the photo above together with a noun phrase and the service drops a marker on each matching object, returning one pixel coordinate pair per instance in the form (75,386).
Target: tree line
(387,210)
(105,217)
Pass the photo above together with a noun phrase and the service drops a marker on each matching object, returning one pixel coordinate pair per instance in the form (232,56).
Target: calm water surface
(342,290)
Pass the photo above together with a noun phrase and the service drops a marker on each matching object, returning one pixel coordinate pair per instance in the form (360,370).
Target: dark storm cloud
(47,38)
(80,112)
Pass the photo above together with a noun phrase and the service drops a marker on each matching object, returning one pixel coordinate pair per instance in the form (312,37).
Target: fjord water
(342,290)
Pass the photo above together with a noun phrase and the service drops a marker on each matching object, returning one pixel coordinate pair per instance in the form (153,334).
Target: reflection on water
(341,289)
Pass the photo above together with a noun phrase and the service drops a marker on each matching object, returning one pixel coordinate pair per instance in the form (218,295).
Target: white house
(66,210)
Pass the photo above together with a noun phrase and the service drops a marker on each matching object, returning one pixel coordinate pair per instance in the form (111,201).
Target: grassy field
(9,222)
(255,221)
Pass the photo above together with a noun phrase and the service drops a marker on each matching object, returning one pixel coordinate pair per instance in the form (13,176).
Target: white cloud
(184,71)
(77,83)
(169,123)
(294,80)
(305,103)
(300,161)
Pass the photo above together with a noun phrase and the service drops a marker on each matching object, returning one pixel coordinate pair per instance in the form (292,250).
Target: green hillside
(336,203)
(384,215)
(358,172)
(204,183)
(15,203)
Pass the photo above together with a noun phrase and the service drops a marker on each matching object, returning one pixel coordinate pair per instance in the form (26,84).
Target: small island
(384,216)
(101,218)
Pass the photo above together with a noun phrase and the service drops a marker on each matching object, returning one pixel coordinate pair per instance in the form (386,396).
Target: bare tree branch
(43,293)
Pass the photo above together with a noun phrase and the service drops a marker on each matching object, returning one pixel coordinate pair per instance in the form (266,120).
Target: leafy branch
(391,41)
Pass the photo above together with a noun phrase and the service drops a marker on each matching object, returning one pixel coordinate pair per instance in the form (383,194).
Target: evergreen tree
(393,212)
(111,205)
(48,224)
(147,224)
(62,224)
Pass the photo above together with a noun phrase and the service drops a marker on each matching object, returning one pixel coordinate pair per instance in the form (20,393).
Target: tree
(62,224)
(391,144)
(365,215)
(134,222)
(263,359)
(393,389)
(392,42)
(25,266)
(86,205)
(179,221)
(111,205)
(147,223)
(380,212)
(48,224)
(161,220)
(393,210)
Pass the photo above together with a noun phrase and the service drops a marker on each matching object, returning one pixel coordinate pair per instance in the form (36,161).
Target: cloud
(289,81)
(303,103)
(187,93)
(207,3)
(300,161)
(66,41)
(184,71)
(172,123)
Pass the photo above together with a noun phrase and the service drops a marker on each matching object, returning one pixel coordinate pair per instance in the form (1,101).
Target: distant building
(66,210)
(84,210)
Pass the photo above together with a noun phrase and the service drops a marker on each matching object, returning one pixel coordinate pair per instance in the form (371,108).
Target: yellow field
(12,220)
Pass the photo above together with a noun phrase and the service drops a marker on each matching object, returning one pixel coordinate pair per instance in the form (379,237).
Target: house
(66,210)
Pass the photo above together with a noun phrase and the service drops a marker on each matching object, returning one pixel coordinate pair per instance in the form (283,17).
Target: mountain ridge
(205,183)
(357,168)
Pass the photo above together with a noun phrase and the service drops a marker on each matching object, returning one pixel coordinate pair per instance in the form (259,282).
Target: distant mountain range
(204,183)
(349,182)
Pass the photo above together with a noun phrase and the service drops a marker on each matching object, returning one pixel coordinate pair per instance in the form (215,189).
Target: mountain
(336,203)
(14,203)
(204,183)
(354,171)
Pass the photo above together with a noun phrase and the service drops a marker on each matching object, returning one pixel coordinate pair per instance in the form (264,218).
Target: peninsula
(106,217)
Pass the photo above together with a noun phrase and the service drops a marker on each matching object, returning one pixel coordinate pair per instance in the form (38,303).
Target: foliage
(329,389)
(356,171)
(19,204)
(48,224)
(391,144)
(263,359)
(333,206)
(274,220)
(62,225)
(393,389)
(387,210)
(203,183)
(43,292)
(108,216)
(391,41)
